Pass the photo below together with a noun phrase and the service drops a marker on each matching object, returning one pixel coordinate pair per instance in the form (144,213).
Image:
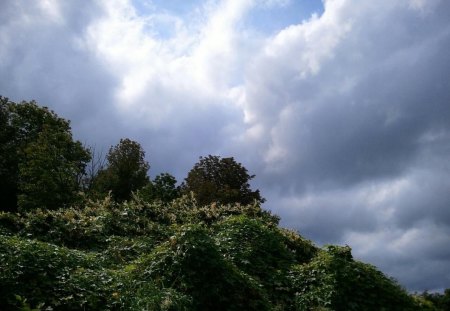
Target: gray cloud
(45,60)
(360,117)
(355,136)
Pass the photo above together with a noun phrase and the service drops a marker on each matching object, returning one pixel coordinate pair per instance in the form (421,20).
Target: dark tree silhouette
(126,171)
(40,163)
(163,188)
(221,180)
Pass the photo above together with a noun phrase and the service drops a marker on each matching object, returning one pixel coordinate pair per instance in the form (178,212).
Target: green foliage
(50,173)
(179,256)
(163,188)
(255,248)
(191,263)
(94,227)
(8,158)
(150,297)
(186,210)
(260,251)
(303,250)
(36,271)
(126,171)
(223,181)
(10,223)
(334,281)
(40,163)
(434,301)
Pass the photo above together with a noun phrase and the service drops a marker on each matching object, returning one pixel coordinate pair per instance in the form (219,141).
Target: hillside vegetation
(178,256)
(78,232)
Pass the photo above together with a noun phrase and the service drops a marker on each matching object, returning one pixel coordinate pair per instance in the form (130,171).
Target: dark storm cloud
(340,211)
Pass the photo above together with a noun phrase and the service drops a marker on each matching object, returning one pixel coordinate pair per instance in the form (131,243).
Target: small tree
(222,180)
(126,171)
(163,188)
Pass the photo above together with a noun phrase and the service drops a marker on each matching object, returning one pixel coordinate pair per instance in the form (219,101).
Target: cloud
(336,108)
(42,59)
(417,256)
(350,113)
(343,116)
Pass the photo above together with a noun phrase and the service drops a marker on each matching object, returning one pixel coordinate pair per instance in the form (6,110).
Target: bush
(37,271)
(178,256)
(190,263)
(334,281)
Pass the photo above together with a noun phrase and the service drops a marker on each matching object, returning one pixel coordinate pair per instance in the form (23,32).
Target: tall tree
(22,128)
(51,171)
(8,159)
(126,171)
(221,180)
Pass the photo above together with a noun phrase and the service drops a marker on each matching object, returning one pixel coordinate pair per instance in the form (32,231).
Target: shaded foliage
(434,301)
(40,163)
(163,188)
(221,180)
(332,280)
(179,256)
(191,263)
(260,251)
(51,171)
(125,172)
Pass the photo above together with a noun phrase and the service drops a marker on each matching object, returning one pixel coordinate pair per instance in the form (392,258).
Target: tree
(22,128)
(163,188)
(126,171)
(221,180)
(8,159)
(51,171)
(93,167)
(435,301)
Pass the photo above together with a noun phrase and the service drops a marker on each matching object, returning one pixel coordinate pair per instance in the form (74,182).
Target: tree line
(43,166)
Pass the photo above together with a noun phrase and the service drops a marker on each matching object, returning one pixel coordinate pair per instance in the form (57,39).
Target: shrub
(190,263)
(37,271)
(334,281)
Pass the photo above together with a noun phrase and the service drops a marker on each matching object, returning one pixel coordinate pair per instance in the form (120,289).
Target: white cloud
(169,69)
(424,6)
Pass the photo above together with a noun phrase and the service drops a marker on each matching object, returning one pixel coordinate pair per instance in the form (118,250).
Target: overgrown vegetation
(120,241)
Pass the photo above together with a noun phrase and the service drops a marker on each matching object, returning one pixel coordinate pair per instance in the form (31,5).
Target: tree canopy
(221,180)
(126,171)
(163,188)
(41,164)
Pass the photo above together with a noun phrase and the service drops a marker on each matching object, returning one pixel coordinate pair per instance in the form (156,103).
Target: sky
(341,108)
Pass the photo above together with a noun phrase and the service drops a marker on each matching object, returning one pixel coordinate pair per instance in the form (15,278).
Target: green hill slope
(178,256)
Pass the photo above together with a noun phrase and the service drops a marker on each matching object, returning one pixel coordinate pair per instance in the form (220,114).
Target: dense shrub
(191,264)
(139,255)
(37,271)
(334,281)
(10,223)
